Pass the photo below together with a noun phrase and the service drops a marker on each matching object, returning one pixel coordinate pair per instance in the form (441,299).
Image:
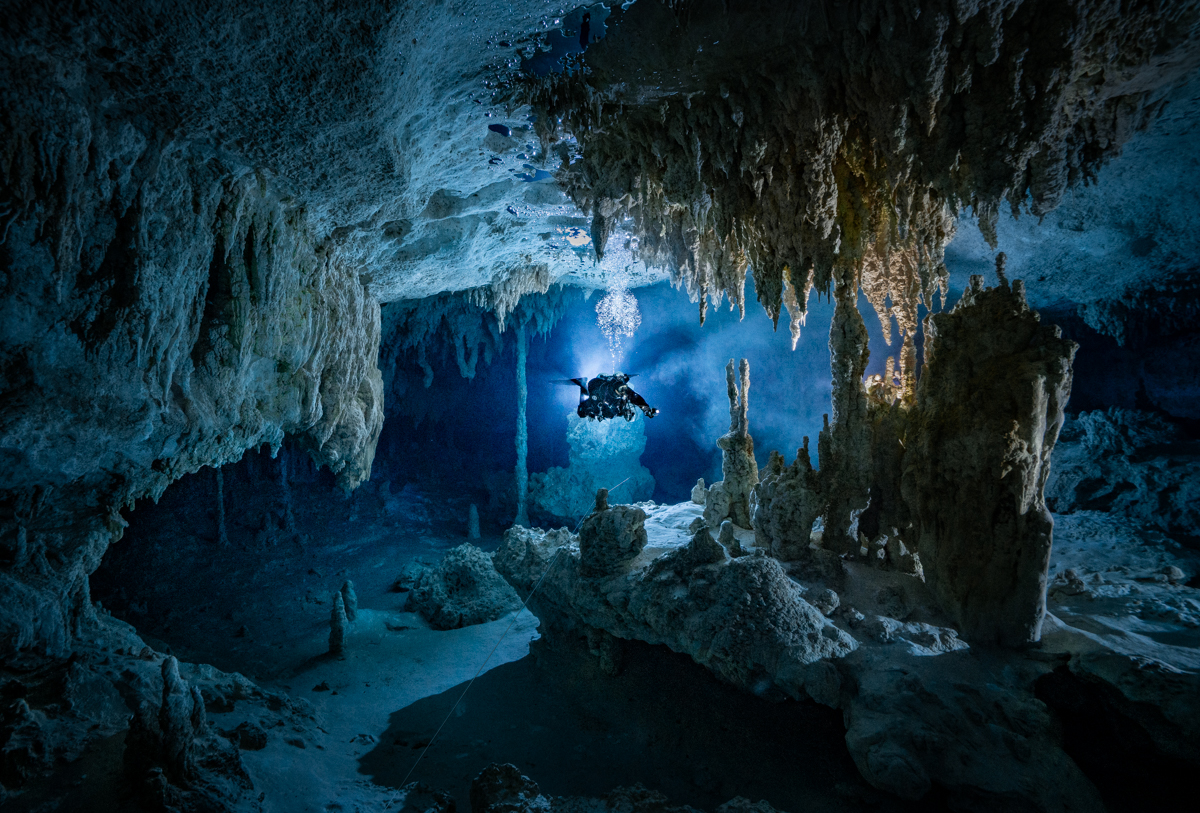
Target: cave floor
(260,607)
(263,610)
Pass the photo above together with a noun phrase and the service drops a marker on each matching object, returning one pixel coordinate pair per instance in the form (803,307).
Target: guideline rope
(479,672)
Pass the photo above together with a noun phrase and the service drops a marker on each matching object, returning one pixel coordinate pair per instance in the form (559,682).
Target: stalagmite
(731,497)
(176,720)
(473,522)
(789,500)
(522,471)
(349,601)
(843,447)
(989,408)
(337,626)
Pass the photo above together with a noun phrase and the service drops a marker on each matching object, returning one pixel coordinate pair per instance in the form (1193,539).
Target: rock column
(222,534)
(844,448)
(522,471)
(730,499)
(989,408)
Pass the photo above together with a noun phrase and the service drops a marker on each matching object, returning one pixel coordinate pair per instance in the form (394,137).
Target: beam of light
(618,316)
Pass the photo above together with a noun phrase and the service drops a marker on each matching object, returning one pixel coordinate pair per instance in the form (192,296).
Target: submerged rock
(1130,464)
(742,618)
(503,789)
(611,537)
(461,590)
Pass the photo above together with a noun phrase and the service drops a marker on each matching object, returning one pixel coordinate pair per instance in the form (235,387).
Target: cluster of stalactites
(471,323)
(710,203)
(843,144)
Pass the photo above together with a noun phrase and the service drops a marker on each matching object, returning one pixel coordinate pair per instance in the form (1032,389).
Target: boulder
(611,537)
(461,590)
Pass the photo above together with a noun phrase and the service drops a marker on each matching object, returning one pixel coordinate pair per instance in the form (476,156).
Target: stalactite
(522,472)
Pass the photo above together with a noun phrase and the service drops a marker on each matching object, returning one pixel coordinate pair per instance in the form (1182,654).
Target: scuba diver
(609,396)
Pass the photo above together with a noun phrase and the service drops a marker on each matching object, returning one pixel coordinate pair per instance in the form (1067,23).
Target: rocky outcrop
(989,408)
(145,354)
(742,618)
(165,308)
(610,538)
(988,743)
(922,709)
(461,590)
(504,789)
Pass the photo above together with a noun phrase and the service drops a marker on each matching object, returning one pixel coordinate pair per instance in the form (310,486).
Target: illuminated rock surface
(293,243)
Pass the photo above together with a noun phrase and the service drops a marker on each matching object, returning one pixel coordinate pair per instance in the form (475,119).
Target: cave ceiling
(369,121)
(785,140)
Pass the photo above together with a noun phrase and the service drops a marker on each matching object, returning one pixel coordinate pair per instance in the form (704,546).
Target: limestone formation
(503,789)
(699,492)
(737,447)
(716,505)
(337,625)
(473,522)
(171,758)
(461,590)
(349,600)
(176,721)
(928,118)
(788,501)
(199,343)
(844,446)
(989,409)
(730,498)
(743,617)
(1129,464)
(729,541)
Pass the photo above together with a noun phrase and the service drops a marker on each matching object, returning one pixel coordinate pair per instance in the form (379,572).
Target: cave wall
(163,309)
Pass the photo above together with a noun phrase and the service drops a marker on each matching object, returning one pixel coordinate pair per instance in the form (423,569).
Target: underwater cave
(607,407)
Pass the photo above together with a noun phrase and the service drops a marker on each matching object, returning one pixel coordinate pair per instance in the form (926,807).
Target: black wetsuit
(610,396)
